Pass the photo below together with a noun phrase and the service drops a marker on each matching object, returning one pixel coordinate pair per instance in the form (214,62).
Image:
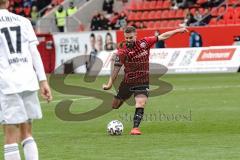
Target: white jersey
(16,65)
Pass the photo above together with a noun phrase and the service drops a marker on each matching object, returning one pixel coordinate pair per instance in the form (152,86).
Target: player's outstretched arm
(112,78)
(168,34)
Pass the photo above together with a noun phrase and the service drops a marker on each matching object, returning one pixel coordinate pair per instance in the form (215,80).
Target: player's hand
(183,30)
(45,91)
(106,87)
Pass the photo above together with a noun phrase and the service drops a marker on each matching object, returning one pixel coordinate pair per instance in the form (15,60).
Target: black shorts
(125,91)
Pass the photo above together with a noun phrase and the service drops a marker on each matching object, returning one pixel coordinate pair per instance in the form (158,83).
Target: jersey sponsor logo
(144,53)
(136,75)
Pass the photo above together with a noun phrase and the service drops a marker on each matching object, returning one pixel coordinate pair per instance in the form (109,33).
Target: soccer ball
(115,127)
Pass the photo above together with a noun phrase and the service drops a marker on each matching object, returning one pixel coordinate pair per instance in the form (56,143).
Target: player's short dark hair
(92,35)
(129,29)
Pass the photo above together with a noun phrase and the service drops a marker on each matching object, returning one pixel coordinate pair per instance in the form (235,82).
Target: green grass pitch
(198,120)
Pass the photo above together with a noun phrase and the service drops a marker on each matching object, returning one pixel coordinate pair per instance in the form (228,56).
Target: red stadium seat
(193,10)
(150,24)
(232,2)
(159,4)
(214,11)
(180,13)
(153,5)
(164,14)
(166,4)
(177,23)
(138,15)
(146,5)
(132,6)
(237,9)
(140,6)
(230,21)
(237,21)
(171,24)
(146,23)
(151,15)
(221,10)
(137,24)
(213,21)
(157,25)
(18,10)
(145,15)
(131,16)
(230,10)
(164,24)
(27,11)
(201,11)
(237,17)
(158,15)
(228,15)
(172,14)
(221,22)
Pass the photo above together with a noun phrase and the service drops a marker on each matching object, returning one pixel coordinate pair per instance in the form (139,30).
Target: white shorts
(19,108)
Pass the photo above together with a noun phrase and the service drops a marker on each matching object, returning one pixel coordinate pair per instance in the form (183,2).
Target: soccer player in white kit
(21,73)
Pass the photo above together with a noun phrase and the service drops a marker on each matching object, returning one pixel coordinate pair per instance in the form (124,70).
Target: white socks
(11,152)
(30,149)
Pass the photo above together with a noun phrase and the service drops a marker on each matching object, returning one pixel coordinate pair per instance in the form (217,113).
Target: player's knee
(11,134)
(11,138)
(140,104)
(116,103)
(141,101)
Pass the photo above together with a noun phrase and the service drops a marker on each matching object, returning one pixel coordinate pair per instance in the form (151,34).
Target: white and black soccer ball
(115,127)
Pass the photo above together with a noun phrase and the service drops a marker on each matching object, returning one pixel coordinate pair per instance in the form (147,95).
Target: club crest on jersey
(143,45)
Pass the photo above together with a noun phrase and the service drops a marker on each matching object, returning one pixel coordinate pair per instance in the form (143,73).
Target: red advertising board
(216,54)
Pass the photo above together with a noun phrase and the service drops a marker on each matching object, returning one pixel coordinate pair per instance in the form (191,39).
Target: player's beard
(130,44)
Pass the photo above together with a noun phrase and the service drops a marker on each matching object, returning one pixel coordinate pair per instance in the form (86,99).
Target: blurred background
(71,28)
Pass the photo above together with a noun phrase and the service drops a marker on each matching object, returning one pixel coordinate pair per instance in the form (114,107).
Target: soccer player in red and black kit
(134,56)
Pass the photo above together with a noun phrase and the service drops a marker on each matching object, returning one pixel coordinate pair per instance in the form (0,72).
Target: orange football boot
(135,131)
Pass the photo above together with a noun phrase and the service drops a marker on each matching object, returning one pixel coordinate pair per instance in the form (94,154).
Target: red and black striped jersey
(136,60)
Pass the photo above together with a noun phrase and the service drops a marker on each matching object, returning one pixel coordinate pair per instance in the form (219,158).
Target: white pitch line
(73,99)
(66,95)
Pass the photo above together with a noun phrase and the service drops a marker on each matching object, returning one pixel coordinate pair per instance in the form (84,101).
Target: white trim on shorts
(19,107)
